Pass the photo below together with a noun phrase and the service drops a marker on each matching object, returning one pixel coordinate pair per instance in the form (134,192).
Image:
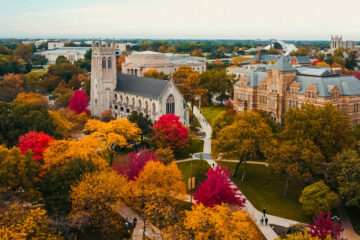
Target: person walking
(134,222)
(261,220)
(264,211)
(266,221)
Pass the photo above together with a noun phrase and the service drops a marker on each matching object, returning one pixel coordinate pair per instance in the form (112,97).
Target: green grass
(196,145)
(211,112)
(265,189)
(199,169)
(354,214)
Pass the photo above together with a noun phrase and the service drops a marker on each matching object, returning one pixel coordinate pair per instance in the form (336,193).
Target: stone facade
(337,42)
(122,93)
(281,87)
(140,62)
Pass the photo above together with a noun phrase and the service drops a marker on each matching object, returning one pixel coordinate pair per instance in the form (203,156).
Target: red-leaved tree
(79,102)
(170,132)
(137,162)
(324,226)
(217,189)
(36,141)
(357,74)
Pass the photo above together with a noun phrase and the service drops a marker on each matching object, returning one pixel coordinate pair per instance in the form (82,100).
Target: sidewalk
(151,231)
(349,232)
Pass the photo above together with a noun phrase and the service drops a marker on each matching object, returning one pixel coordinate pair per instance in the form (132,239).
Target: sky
(181,19)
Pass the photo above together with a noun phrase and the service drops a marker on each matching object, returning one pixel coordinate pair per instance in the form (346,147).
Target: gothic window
(109,62)
(127,101)
(115,96)
(170,105)
(103,63)
(133,103)
(153,108)
(139,104)
(121,99)
(146,106)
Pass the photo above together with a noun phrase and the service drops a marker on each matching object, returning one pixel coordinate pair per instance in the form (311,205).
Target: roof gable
(283,65)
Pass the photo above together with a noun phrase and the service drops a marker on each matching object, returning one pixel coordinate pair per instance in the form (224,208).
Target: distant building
(121,47)
(55,44)
(278,87)
(303,61)
(336,42)
(123,94)
(71,53)
(140,62)
(285,48)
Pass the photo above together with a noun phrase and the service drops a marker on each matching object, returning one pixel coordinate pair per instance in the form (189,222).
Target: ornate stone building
(280,86)
(337,42)
(122,93)
(140,62)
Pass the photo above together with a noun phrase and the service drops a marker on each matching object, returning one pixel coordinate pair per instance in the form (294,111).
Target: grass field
(196,145)
(264,189)
(211,112)
(199,169)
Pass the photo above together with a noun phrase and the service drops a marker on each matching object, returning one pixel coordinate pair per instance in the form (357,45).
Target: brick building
(280,86)
(303,61)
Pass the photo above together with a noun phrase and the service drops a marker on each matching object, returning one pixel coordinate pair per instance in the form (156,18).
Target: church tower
(103,76)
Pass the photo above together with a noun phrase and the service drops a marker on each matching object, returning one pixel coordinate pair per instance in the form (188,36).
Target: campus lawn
(354,214)
(264,189)
(199,169)
(211,112)
(196,145)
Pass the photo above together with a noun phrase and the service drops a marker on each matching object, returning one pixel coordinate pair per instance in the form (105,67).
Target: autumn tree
(143,122)
(10,86)
(119,62)
(217,189)
(245,139)
(324,226)
(64,70)
(191,89)
(301,236)
(118,132)
(79,102)
(302,51)
(106,116)
(218,82)
(153,73)
(32,81)
(18,118)
(220,222)
(20,223)
(34,98)
(223,120)
(55,187)
(36,141)
(165,155)
(137,161)
(62,95)
(24,52)
(18,174)
(170,132)
(49,83)
(344,175)
(318,197)
(297,159)
(93,199)
(78,80)
(154,192)
(327,127)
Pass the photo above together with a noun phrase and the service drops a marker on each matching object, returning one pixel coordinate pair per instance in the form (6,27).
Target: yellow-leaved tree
(302,236)
(154,194)
(93,200)
(36,98)
(17,222)
(220,222)
(118,132)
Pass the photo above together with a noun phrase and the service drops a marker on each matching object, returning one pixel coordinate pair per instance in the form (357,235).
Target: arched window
(103,63)
(109,62)
(170,105)
(146,107)
(139,104)
(127,101)
(153,109)
(121,99)
(133,103)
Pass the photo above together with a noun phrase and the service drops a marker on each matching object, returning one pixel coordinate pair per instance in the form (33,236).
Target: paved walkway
(267,231)
(349,232)
(151,232)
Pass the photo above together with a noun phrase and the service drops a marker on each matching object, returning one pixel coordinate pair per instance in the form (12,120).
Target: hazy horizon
(185,19)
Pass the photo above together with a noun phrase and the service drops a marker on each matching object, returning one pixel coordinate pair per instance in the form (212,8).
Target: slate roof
(255,78)
(314,71)
(140,86)
(302,59)
(267,58)
(348,85)
(283,65)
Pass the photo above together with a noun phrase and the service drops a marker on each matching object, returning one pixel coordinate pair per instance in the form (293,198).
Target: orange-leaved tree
(35,98)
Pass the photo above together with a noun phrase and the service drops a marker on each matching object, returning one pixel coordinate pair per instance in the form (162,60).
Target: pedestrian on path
(262,220)
(264,211)
(213,165)
(134,222)
(126,223)
(266,221)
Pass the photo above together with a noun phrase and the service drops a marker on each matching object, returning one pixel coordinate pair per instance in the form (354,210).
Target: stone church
(123,94)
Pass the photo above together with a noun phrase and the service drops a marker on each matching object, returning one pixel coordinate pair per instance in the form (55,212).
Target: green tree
(24,52)
(62,95)
(245,139)
(327,127)
(84,64)
(143,122)
(17,174)
(297,159)
(318,197)
(272,51)
(344,175)
(88,54)
(351,61)
(39,60)
(64,70)
(56,186)
(61,59)
(32,81)
(219,83)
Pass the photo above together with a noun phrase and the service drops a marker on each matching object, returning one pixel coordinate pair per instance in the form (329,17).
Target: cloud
(284,19)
